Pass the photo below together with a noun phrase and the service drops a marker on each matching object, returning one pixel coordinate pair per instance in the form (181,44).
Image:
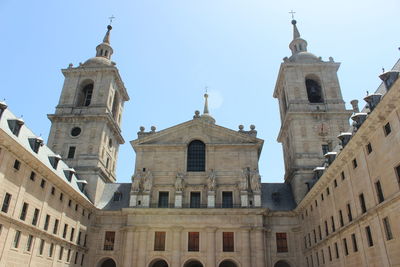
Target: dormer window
(117,196)
(68,174)
(35,143)
(15,126)
(314,91)
(54,159)
(196,156)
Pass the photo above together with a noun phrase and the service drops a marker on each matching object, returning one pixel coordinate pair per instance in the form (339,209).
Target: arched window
(196,156)
(85,95)
(314,91)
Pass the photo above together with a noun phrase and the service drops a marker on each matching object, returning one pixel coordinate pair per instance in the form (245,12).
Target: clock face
(322,129)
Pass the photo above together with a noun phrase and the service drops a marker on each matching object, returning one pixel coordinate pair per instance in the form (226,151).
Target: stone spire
(104,49)
(206,114)
(298,44)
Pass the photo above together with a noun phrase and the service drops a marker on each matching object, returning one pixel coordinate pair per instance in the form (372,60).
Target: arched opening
(227,263)
(108,263)
(281,264)
(196,156)
(85,95)
(193,263)
(314,91)
(158,263)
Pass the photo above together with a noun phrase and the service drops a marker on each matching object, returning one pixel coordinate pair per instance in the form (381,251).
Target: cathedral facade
(196,198)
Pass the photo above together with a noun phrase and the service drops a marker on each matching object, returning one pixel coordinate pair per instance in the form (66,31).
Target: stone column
(176,246)
(129,247)
(211,249)
(245,247)
(259,247)
(141,256)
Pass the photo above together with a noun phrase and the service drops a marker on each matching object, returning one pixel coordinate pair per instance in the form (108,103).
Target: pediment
(209,133)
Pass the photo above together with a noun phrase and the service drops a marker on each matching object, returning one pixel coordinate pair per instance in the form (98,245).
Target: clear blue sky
(168,50)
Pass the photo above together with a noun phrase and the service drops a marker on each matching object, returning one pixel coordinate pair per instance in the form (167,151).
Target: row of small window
(369,238)
(24,212)
(195,199)
(51,248)
(32,177)
(378,189)
(386,226)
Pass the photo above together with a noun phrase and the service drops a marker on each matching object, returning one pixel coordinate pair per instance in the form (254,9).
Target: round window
(76,131)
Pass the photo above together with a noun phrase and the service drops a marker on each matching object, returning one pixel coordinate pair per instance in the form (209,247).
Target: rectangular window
(84,240)
(309,239)
(319,232)
(71,238)
(335,183)
(227,199)
(55,229)
(354,241)
(330,253)
(16,238)
(315,236)
(355,163)
(322,197)
(46,222)
(369,236)
(349,214)
(333,224)
(69,203)
(346,249)
(326,229)
(78,241)
(362,203)
(32,176)
(379,192)
(323,256)
(159,241)
(6,203)
(53,190)
(41,247)
(76,207)
(109,240)
(228,241)
(68,255)
(281,242)
(61,196)
(43,183)
(35,217)
(193,241)
(387,129)
(342,175)
(65,230)
(388,229)
(24,210)
(29,243)
(369,148)
(325,149)
(82,259)
(163,199)
(337,250)
(51,248)
(341,218)
(397,169)
(76,257)
(60,255)
(17,164)
(317,257)
(195,199)
(327,191)
(71,152)
(305,241)
(316,203)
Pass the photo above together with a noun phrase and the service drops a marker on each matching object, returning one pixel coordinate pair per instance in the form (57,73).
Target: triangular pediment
(183,133)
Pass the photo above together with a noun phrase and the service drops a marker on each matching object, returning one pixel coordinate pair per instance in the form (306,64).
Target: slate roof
(107,199)
(277,196)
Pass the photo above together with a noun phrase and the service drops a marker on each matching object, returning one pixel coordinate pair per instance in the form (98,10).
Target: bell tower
(86,126)
(312,112)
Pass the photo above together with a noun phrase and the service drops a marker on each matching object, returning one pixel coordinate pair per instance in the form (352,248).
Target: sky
(167,51)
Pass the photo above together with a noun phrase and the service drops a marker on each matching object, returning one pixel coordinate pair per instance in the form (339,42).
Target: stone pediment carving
(182,134)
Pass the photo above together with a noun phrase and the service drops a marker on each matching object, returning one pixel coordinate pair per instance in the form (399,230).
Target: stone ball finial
(294,22)
(70,65)
(197,113)
(141,129)
(153,128)
(109,27)
(252,127)
(241,127)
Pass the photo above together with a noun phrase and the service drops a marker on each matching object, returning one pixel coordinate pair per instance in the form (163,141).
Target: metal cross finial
(206,87)
(292,13)
(111,19)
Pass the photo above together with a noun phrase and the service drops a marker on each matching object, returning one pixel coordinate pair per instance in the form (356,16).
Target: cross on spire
(292,13)
(111,19)
(206,88)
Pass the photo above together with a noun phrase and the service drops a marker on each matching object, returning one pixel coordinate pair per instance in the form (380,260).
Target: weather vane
(111,19)
(292,13)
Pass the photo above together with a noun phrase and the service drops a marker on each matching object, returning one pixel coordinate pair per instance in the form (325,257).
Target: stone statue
(211,180)
(244,184)
(148,181)
(179,181)
(255,181)
(136,181)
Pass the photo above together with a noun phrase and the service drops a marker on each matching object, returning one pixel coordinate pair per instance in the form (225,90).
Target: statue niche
(314,91)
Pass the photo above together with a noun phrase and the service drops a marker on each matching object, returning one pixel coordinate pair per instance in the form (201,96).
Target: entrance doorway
(281,264)
(108,263)
(227,263)
(159,263)
(193,263)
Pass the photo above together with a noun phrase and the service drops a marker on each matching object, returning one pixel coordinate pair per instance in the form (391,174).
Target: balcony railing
(201,206)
